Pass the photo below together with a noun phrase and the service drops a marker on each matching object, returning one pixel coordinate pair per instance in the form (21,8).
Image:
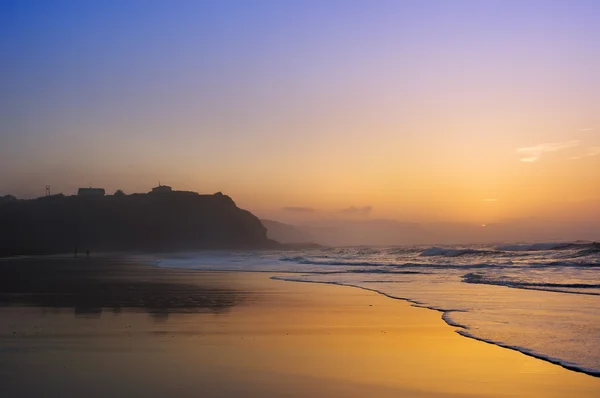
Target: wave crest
(547,246)
(440,251)
(482,279)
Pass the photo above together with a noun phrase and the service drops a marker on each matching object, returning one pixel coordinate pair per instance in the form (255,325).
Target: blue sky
(326,104)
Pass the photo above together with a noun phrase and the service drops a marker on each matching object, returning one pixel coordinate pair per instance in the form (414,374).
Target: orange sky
(424,112)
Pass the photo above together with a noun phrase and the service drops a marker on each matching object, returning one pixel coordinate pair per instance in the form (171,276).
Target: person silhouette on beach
(87,253)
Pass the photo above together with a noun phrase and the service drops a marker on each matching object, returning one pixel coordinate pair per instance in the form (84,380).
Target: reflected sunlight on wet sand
(272,339)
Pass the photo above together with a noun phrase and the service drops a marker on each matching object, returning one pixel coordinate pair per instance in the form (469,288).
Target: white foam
(496,306)
(535,246)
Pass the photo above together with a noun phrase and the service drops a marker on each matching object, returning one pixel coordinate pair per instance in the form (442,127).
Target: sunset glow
(300,198)
(467,111)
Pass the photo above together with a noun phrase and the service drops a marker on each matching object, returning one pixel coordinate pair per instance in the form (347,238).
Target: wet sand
(98,328)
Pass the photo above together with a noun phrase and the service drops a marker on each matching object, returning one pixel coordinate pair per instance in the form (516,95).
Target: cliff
(286,233)
(139,222)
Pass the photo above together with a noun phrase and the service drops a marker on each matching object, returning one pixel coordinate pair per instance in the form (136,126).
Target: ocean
(541,299)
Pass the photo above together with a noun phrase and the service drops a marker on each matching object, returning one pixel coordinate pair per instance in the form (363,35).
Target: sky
(421,111)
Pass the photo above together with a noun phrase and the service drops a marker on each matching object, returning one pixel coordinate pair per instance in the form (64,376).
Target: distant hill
(342,232)
(385,232)
(373,232)
(139,222)
(286,233)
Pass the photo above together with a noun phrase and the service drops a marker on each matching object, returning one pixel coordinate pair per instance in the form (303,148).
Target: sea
(541,299)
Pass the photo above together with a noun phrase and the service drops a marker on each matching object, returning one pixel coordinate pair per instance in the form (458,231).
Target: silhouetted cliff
(138,222)
(286,233)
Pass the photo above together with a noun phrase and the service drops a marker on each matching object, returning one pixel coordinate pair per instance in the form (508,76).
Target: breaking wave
(520,296)
(502,281)
(438,251)
(547,246)
(350,263)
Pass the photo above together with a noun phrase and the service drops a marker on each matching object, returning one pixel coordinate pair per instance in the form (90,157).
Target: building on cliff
(162,189)
(91,192)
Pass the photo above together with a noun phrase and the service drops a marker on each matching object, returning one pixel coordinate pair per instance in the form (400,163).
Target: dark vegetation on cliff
(139,222)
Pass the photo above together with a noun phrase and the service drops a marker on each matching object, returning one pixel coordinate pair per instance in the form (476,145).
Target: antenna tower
(47,190)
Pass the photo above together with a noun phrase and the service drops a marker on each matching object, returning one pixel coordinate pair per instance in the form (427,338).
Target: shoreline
(264,334)
(462,329)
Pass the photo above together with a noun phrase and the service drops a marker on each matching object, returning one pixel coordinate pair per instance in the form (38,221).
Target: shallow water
(541,299)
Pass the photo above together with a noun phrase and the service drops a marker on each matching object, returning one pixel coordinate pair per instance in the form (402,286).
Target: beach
(108,327)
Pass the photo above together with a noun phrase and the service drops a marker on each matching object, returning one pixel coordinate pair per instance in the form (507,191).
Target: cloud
(593,151)
(299,209)
(358,211)
(534,153)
